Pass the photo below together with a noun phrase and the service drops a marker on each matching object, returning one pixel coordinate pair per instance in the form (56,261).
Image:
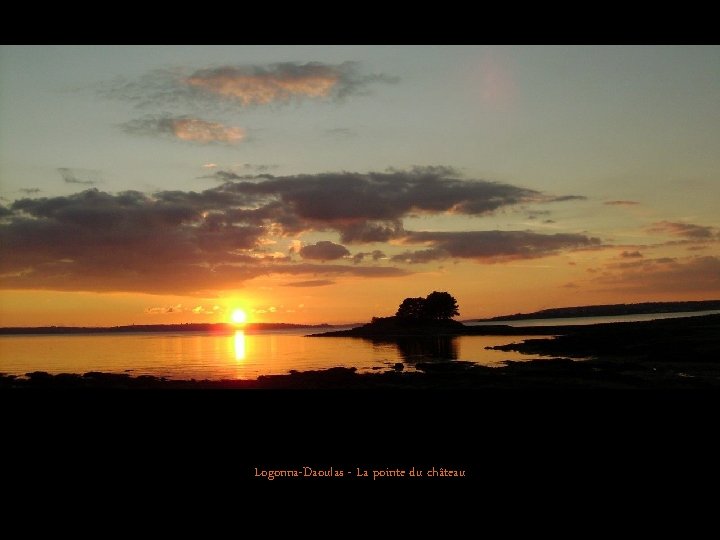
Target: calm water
(234,356)
(186,355)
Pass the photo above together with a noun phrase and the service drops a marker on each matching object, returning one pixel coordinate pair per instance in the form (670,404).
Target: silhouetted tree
(440,305)
(435,306)
(411,308)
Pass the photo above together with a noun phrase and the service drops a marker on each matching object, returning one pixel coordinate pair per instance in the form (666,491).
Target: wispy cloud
(86,177)
(621,203)
(489,246)
(184,128)
(665,276)
(245,85)
(682,230)
(311,283)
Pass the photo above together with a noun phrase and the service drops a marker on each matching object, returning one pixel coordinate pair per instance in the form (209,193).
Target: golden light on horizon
(238,316)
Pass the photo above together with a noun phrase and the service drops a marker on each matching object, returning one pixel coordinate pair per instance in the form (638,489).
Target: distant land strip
(221,328)
(610,310)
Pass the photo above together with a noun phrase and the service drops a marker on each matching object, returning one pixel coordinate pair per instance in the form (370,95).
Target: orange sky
(326,184)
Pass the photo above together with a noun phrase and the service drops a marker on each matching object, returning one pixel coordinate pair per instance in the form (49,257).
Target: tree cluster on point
(436,306)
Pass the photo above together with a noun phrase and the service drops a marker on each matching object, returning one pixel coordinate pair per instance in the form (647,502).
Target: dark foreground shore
(669,353)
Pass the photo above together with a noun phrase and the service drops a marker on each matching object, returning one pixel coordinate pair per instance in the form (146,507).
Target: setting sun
(238,316)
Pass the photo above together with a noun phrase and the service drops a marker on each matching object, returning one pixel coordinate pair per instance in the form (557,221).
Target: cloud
(621,203)
(324,251)
(197,242)
(185,128)
(682,230)
(489,246)
(30,191)
(666,276)
(368,207)
(245,85)
(259,167)
(375,254)
(170,242)
(164,310)
(534,214)
(311,283)
(85,177)
(564,198)
(631,255)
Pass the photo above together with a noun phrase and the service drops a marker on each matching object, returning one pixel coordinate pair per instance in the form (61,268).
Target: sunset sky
(311,184)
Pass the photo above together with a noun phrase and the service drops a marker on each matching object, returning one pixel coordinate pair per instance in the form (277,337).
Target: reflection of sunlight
(239,345)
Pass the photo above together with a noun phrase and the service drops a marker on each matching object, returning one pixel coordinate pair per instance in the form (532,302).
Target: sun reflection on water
(239,345)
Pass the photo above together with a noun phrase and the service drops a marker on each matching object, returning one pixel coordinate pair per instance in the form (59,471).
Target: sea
(247,355)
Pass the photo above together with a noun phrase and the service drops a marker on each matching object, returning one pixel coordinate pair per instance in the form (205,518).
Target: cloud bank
(189,242)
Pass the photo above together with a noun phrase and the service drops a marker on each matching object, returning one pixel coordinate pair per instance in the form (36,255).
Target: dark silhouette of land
(219,328)
(611,310)
(665,353)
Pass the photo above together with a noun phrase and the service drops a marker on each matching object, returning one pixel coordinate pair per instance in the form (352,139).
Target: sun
(238,316)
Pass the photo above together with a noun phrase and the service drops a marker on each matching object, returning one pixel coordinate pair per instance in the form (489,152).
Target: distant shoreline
(219,328)
(609,310)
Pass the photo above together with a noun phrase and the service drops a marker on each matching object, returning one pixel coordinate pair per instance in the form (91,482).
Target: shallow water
(234,356)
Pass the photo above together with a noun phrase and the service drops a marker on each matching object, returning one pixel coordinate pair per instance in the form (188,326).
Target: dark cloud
(534,214)
(184,128)
(621,203)
(490,246)
(245,86)
(631,255)
(311,283)
(369,207)
(375,254)
(171,242)
(421,256)
(85,177)
(370,231)
(30,191)
(324,251)
(683,230)
(187,241)
(564,198)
